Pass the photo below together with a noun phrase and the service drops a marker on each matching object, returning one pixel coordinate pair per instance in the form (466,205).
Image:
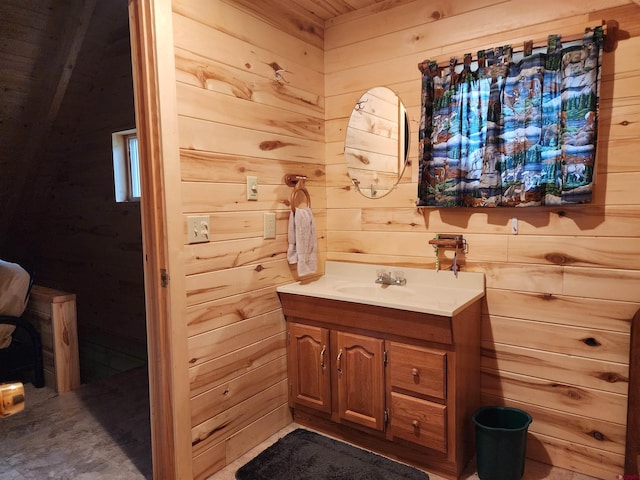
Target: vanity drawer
(419,421)
(418,369)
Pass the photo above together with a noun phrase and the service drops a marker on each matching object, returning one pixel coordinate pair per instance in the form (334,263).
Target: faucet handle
(399,277)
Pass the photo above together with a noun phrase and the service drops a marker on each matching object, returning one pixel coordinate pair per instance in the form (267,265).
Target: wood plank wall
(561,293)
(236,119)
(69,230)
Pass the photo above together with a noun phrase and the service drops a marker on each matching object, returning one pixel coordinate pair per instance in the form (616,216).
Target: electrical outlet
(198,229)
(252,188)
(269,225)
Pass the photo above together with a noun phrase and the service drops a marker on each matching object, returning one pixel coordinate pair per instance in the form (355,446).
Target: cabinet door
(309,374)
(360,370)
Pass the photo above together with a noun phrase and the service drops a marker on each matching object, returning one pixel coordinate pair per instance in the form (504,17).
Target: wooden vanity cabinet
(401,383)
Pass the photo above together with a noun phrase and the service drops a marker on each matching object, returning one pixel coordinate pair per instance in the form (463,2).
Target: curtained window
(511,133)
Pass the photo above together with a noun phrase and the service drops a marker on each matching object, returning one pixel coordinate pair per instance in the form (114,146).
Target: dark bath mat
(305,455)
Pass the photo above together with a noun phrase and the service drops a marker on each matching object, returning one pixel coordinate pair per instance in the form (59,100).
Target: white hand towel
(292,256)
(306,242)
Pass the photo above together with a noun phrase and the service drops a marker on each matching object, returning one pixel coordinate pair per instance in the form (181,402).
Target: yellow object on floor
(11,398)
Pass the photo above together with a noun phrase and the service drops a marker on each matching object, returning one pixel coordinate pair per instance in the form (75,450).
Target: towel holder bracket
(292,179)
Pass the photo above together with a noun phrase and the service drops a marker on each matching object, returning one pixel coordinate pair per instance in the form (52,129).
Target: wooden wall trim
(156,118)
(632,451)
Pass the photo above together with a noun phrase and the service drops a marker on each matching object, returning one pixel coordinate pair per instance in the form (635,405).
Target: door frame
(154,85)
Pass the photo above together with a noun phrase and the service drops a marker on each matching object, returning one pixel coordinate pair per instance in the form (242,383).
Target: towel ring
(295,191)
(297,182)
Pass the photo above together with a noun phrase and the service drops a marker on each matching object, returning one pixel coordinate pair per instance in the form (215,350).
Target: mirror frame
(376,142)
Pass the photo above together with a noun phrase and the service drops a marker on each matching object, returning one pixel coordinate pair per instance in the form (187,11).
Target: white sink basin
(427,291)
(376,290)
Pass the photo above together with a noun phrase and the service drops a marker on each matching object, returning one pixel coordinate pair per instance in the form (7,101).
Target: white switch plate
(269,225)
(252,188)
(514,226)
(198,228)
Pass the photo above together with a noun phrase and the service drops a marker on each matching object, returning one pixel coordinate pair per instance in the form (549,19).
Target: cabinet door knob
(415,424)
(415,372)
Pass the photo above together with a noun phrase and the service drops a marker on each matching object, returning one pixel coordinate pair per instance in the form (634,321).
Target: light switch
(252,188)
(514,226)
(269,225)
(198,228)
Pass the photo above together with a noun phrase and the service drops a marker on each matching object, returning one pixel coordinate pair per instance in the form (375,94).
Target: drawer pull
(415,372)
(415,424)
(324,349)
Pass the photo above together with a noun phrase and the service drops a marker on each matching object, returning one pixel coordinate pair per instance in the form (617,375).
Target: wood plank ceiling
(39,41)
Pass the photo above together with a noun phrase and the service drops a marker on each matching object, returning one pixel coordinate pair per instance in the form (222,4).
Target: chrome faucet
(387,278)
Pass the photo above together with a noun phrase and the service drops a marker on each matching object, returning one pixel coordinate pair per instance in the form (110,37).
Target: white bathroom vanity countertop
(426,291)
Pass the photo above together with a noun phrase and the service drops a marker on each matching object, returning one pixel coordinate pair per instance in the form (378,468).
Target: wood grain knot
(611,377)
(271,145)
(573,394)
(436,15)
(597,435)
(592,342)
(362,159)
(559,258)
(259,268)
(624,123)
(275,66)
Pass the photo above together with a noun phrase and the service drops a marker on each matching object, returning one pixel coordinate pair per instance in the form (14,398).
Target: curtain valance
(511,133)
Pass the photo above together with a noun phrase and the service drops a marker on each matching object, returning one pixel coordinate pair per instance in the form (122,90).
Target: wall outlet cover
(269,225)
(198,228)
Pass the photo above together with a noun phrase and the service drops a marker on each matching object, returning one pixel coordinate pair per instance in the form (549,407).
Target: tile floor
(101,431)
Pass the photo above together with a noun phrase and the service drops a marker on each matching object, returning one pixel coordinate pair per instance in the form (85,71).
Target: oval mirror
(376,142)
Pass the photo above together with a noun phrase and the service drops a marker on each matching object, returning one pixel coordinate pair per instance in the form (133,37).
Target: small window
(126,166)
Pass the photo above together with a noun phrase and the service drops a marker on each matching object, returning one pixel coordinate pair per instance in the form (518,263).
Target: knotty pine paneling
(237,390)
(588,372)
(591,432)
(586,342)
(210,374)
(237,118)
(238,417)
(561,293)
(213,344)
(215,457)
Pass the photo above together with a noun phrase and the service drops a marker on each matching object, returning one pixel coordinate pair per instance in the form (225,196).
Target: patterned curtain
(511,133)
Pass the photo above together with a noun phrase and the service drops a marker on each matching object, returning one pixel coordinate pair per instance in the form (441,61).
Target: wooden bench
(53,314)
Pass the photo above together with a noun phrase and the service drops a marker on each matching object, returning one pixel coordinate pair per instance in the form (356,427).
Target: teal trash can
(501,442)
